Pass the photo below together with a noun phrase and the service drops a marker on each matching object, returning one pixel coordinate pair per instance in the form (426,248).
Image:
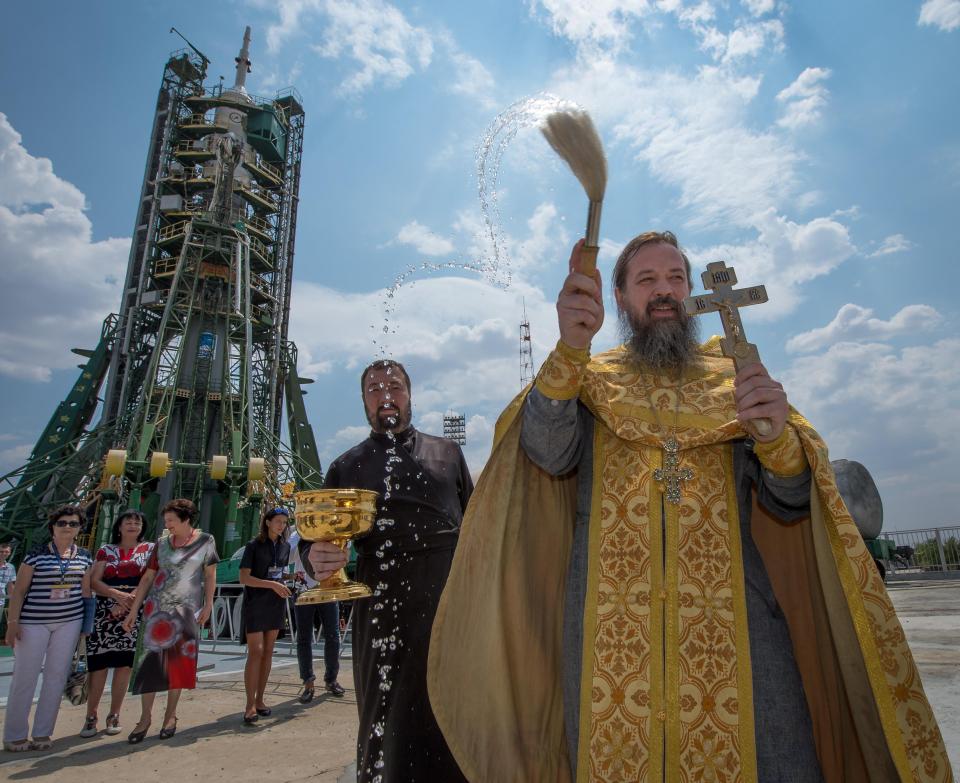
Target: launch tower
(197,365)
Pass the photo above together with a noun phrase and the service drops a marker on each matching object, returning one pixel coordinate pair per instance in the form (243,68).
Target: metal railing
(258,166)
(172,231)
(193,148)
(922,551)
(259,224)
(201,121)
(225,624)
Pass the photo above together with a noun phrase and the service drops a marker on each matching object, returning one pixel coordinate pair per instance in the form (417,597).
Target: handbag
(77,688)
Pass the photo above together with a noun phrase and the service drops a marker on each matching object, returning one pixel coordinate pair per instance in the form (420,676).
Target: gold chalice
(335,515)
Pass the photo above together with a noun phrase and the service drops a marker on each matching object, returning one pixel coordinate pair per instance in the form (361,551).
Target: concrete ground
(298,742)
(930,615)
(316,741)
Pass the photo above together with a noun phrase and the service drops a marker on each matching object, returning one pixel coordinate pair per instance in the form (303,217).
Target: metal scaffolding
(455,428)
(197,363)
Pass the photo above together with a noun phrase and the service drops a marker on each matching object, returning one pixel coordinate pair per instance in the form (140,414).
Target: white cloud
(694,134)
(345,438)
(423,240)
(783,257)
(897,412)
(606,26)
(895,243)
(47,249)
(548,241)
(457,333)
(383,46)
(458,337)
(944,14)
(804,100)
(15,456)
(742,42)
(380,40)
(470,76)
(853,322)
(758,7)
(593,22)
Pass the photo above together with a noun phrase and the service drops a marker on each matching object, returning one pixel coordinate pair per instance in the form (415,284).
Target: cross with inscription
(727,300)
(671,473)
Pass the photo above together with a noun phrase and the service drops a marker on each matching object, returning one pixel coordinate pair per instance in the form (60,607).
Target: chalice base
(334,588)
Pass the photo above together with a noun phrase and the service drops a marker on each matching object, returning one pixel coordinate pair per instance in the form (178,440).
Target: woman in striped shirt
(46,614)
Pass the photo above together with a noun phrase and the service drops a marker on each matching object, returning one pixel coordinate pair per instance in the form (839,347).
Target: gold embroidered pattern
(912,733)
(559,377)
(682,627)
(665,641)
(784,456)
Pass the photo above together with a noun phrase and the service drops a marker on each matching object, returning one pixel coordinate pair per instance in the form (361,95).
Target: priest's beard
(390,419)
(667,344)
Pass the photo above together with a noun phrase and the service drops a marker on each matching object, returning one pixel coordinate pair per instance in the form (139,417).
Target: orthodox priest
(424,485)
(667,597)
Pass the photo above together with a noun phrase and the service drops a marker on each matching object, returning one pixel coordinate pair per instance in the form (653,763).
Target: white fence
(224,627)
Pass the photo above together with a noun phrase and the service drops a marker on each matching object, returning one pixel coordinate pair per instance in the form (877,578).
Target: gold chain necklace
(671,474)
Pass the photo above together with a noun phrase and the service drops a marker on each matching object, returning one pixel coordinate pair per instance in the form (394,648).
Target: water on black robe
(424,486)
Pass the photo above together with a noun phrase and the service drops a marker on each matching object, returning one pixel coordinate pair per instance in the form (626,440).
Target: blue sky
(812,145)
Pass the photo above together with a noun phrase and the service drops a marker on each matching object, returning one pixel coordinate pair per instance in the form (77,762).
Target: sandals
(167,733)
(135,737)
(17,746)
(335,688)
(250,719)
(264,712)
(113,724)
(41,743)
(89,727)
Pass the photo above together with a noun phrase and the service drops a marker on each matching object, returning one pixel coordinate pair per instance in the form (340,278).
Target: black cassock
(424,486)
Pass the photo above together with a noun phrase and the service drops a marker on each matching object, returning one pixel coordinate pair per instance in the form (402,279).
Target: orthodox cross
(727,300)
(671,473)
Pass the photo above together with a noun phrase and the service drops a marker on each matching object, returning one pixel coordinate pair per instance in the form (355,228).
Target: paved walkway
(316,741)
(297,743)
(930,615)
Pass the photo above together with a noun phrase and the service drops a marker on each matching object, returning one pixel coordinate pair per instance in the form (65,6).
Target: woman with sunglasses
(262,568)
(46,615)
(115,576)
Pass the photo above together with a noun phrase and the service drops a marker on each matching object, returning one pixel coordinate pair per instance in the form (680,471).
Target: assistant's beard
(391,419)
(662,344)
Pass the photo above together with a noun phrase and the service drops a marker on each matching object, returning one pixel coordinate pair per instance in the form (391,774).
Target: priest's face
(652,320)
(386,400)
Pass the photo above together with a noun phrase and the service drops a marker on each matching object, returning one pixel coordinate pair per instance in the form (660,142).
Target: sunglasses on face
(66,523)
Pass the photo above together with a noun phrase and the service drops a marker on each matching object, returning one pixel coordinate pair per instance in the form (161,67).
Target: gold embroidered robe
(666,688)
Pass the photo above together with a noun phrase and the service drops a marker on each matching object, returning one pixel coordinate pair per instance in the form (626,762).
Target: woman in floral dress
(176,592)
(116,573)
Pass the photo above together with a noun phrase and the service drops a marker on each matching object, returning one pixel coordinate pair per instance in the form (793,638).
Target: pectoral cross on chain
(727,300)
(671,474)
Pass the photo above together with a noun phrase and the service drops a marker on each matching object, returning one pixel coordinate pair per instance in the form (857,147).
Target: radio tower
(196,362)
(526,351)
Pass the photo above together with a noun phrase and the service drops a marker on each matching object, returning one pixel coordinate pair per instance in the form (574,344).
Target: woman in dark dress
(262,569)
(115,576)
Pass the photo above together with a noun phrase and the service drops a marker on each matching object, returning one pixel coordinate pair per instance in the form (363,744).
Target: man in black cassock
(424,485)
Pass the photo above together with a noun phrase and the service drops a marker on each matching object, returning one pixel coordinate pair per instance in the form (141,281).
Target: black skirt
(263,610)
